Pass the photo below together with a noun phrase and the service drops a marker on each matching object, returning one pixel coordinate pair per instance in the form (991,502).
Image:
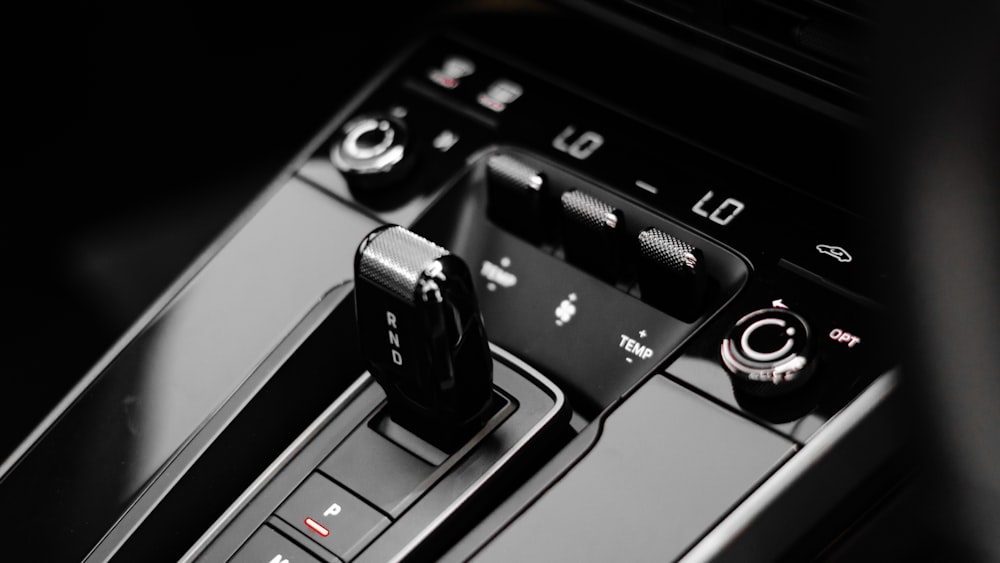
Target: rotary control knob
(769,352)
(371,150)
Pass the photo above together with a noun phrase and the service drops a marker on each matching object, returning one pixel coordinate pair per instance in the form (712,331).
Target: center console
(495,312)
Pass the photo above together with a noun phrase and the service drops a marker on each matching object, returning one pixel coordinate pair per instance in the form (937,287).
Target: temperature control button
(671,274)
(515,195)
(591,229)
(769,352)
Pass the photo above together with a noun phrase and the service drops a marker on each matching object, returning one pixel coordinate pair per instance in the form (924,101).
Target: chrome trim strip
(279,463)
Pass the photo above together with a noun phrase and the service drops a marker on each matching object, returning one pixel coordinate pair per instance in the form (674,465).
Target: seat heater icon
(834,251)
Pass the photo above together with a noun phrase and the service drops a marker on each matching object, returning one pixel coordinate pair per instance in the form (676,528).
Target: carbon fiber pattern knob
(671,274)
(423,335)
(590,229)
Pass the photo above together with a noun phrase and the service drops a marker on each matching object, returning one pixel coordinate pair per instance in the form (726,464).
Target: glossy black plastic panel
(666,467)
(102,453)
(268,545)
(593,335)
(219,463)
(853,343)
(534,418)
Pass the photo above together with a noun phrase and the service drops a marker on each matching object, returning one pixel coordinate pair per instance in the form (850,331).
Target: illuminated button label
(844,337)
(566,310)
(579,146)
(758,356)
(635,348)
(451,72)
(317,527)
(838,253)
(499,95)
(445,140)
(498,275)
(723,213)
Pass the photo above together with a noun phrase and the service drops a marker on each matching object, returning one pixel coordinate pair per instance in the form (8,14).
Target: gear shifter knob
(423,335)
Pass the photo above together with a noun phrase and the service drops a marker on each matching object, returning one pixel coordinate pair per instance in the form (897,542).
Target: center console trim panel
(558,408)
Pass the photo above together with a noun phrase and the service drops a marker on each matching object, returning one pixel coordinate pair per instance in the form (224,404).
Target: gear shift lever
(423,335)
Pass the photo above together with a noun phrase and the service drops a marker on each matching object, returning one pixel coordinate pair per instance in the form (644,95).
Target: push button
(769,352)
(268,546)
(332,517)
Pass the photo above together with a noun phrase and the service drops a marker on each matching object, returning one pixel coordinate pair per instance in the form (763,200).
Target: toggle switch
(514,192)
(590,233)
(422,333)
(671,274)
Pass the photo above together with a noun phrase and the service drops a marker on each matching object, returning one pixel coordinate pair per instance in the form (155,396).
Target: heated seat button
(331,516)
(671,274)
(590,231)
(769,352)
(267,545)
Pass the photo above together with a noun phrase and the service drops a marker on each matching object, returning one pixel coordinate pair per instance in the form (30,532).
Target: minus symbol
(648,187)
(629,360)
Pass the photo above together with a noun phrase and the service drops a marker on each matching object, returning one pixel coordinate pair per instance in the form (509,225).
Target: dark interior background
(139,131)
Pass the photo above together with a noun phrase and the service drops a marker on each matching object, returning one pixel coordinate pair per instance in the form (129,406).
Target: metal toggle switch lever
(423,335)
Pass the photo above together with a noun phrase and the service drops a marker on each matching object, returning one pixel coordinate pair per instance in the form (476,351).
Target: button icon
(836,252)
(445,140)
(500,94)
(566,310)
(317,527)
(451,72)
(579,146)
(635,348)
(497,275)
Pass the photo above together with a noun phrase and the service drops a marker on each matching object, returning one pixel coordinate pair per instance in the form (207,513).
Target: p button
(332,517)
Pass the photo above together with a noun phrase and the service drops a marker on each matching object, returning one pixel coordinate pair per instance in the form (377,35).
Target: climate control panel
(617,268)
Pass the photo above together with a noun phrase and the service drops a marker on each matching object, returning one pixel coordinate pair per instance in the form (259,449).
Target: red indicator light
(443,79)
(317,527)
(492,104)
